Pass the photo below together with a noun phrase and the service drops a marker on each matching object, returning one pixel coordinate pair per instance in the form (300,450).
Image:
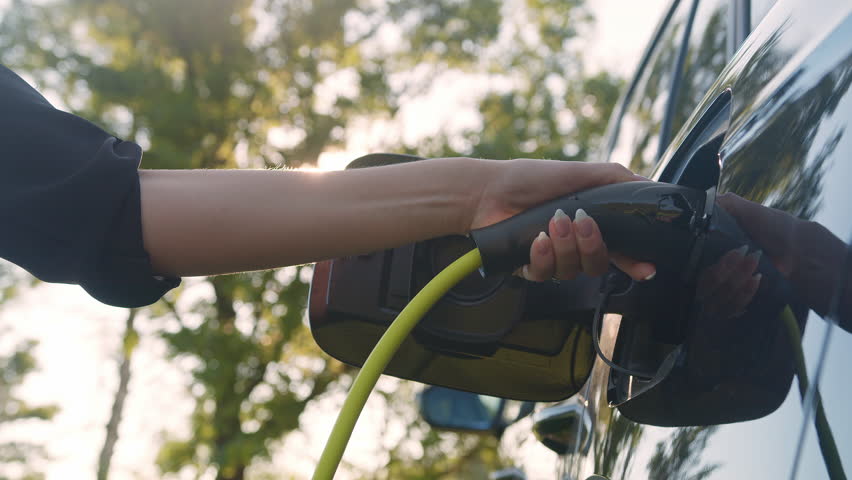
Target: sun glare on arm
(330,161)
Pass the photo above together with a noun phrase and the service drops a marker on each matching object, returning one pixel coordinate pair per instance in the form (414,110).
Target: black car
(780,75)
(722,373)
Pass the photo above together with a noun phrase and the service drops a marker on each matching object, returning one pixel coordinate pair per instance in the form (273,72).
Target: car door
(786,151)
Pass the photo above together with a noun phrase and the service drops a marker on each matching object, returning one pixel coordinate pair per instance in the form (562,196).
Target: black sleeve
(70,205)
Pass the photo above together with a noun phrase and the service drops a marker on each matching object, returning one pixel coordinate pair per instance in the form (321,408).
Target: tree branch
(111,439)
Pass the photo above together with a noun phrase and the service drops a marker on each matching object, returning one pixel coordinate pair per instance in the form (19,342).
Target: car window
(637,142)
(706,56)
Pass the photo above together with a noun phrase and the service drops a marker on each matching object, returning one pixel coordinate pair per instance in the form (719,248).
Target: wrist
(472,178)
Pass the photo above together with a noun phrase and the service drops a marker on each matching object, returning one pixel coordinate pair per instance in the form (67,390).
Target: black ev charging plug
(649,221)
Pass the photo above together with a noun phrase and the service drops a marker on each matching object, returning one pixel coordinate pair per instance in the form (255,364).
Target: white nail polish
(759,277)
(580,214)
(559,214)
(525,272)
(650,277)
(742,250)
(541,236)
(756,255)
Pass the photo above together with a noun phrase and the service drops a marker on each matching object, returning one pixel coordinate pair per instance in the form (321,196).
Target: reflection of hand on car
(804,252)
(727,287)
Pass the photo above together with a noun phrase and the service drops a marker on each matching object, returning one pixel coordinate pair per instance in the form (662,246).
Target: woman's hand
(567,248)
(804,252)
(728,287)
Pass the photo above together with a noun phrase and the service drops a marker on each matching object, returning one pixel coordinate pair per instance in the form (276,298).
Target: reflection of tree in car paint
(614,451)
(679,456)
(790,180)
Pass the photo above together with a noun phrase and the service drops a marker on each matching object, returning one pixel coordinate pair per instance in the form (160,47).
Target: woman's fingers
(729,295)
(574,247)
(593,253)
(542,260)
(714,278)
(638,271)
(746,295)
(727,288)
(564,246)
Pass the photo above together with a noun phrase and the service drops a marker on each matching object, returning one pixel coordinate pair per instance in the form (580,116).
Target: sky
(79,337)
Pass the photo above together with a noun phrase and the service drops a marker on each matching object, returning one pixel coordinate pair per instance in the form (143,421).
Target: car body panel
(788,147)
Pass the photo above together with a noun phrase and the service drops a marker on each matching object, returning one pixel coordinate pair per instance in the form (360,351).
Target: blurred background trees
(17,361)
(16,456)
(277,84)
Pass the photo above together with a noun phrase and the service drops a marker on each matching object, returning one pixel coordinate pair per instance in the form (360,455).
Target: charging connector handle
(382,354)
(648,221)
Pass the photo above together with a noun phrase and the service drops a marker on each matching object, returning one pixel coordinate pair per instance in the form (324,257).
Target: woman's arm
(207,222)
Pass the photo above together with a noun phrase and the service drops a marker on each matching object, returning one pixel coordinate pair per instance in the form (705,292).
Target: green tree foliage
(275,83)
(543,104)
(14,367)
(16,362)
(427,454)
(257,370)
(540,122)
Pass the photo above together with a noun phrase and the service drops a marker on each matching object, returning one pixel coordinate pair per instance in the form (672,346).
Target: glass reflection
(637,143)
(454,409)
(706,56)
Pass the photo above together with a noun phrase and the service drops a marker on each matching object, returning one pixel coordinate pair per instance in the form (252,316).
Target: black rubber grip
(648,221)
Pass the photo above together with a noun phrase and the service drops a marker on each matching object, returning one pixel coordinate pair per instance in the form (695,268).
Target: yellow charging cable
(382,354)
(417,309)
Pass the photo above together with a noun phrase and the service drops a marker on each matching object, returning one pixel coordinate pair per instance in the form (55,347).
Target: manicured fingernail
(540,245)
(650,277)
(758,277)
(562,223)
(584,227)
(756,255)
(742,250)
(525,272)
